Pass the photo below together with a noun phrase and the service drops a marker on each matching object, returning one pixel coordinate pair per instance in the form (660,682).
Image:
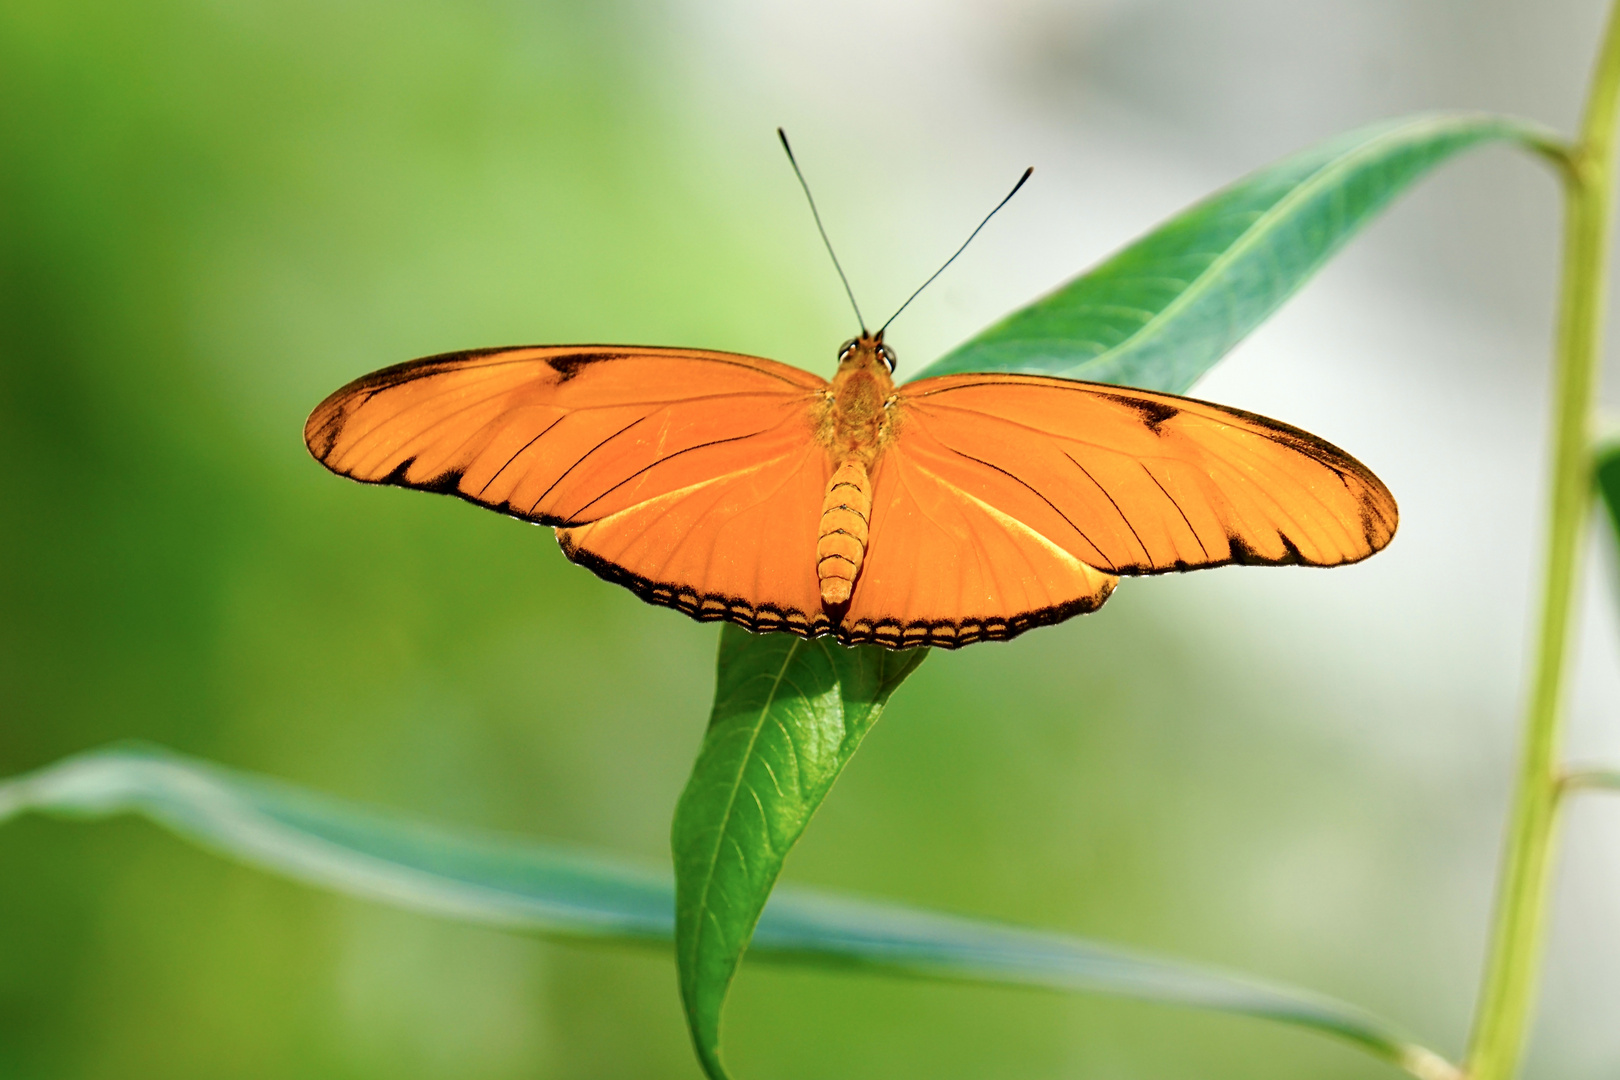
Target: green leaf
(1607,780)
(1161,312)
(1607,472)
(788,715)
(519,884)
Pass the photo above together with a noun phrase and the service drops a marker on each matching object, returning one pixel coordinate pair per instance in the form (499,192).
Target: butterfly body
(860,417)
(944,511)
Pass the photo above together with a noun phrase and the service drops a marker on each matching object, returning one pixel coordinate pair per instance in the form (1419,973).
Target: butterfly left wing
(1063,475)
(690,476)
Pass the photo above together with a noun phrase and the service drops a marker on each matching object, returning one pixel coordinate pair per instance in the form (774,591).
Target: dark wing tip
(325,425)
(326,422)
(1380,516)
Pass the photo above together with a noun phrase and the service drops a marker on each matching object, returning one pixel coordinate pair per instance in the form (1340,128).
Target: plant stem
(1504,1009)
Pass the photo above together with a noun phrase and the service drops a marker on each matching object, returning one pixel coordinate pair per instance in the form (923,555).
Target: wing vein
(1020,480)
(1146,554)
(519,453)
(1198,539)
(672,457)
(579,461)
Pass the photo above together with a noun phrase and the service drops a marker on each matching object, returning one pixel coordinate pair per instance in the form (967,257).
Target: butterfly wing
(692,477)
(1039,492)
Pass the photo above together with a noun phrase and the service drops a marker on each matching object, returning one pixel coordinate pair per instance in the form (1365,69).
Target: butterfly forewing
(1137,482)
(559,435)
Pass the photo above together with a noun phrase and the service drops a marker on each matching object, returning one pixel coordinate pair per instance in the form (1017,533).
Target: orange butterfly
(943,512)
(947,511)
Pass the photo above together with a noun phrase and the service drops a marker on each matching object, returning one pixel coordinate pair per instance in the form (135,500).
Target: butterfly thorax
(859,419)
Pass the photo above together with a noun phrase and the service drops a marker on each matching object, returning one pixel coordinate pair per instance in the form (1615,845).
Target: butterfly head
(866,351)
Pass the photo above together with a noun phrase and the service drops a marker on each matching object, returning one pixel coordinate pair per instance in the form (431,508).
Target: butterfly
(945,511)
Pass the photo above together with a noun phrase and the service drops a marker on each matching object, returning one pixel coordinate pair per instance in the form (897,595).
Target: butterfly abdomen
(845,514)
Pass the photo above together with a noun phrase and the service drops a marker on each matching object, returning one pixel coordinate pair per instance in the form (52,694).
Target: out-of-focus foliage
(566,893)
(1608,483)
(212,214)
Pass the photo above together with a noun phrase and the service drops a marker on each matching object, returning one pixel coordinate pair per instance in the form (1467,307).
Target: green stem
(1503,1015)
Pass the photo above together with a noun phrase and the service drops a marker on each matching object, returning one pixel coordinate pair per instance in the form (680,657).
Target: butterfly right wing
(692,477)
(1039,492)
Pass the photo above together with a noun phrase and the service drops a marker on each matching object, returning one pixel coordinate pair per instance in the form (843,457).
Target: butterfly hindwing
(738,547)
(947,568)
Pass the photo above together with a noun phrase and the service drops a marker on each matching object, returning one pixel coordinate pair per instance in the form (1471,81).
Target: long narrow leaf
(1592,780)
(1159,313)
(564,893)
(788,715)
(1607,472)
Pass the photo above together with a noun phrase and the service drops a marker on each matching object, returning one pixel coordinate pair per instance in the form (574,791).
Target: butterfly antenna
(959,250)
(820,228)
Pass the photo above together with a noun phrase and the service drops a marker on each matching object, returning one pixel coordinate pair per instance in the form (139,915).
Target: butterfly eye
(888,358)
(848,347)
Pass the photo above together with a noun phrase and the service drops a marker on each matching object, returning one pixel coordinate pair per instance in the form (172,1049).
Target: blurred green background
(214,213)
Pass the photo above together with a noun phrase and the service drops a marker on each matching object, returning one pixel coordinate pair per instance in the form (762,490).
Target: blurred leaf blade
(1606,780)
(1606,471)
(353,849)
(520,884)
(788,716)
(1162,311)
